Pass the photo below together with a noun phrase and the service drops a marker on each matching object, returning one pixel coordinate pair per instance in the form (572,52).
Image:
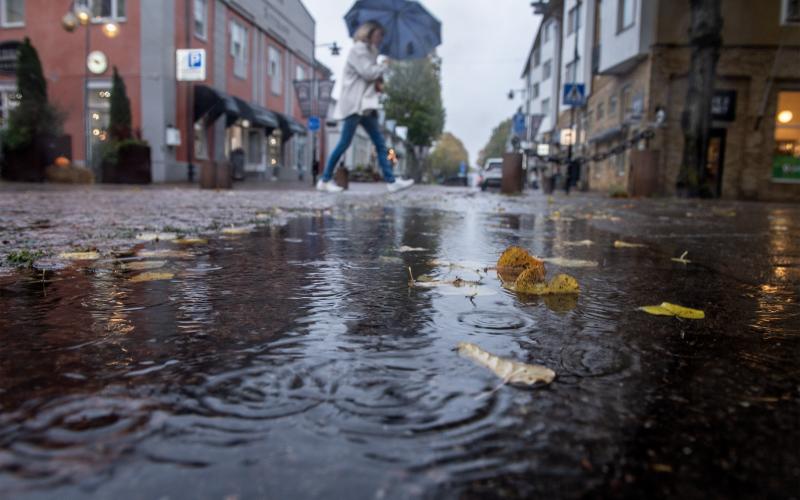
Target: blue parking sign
(313,123)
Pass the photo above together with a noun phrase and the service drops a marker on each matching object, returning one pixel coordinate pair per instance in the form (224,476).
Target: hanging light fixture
(785,116)
(83,14)
(111,29)
(69,22)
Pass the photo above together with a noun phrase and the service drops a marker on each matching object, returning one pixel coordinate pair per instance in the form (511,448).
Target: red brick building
(254,49)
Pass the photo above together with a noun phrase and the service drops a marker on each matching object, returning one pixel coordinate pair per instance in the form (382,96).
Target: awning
(265,118)
(245,113)
(290,126)
(210,103)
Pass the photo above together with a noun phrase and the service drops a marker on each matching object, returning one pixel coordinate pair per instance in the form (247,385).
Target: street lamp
(80,15)
(335,51)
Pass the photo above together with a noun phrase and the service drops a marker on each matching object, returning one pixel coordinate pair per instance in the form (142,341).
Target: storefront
(786,159)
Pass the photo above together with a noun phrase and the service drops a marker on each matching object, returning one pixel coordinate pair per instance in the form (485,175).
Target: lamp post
(335,51)
(81,15)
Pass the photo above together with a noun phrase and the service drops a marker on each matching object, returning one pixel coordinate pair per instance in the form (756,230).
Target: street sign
(313,123)
(574,94)
(190,65)
(519,124)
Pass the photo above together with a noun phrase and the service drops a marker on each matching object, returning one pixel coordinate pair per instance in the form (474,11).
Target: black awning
(265,118)
(290,126)
(245,112)
(210,103)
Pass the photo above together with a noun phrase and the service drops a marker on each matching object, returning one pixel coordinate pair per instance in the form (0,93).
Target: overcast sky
(484,45)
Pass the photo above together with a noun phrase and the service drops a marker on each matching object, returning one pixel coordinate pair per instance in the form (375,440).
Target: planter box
(28,165)
(215,175)
(133,166)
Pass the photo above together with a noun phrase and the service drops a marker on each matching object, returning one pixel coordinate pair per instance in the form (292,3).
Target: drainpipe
(189,96)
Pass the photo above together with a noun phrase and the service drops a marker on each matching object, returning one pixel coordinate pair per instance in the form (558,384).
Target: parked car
(492,173)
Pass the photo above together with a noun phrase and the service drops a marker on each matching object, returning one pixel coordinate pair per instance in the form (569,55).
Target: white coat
(358,82)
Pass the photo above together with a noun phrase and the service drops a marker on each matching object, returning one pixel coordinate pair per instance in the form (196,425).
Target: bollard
(513,176)
(342,178)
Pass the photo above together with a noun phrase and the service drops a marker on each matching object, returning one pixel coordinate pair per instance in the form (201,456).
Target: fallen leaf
(624,244)
(510,371)
(562,262)
(80,255)
(156,236)
(144,265)
(191,241)
(561,284)
(667,309)
(582,243)
(236,230)
(682,259)
(152,277)
(404,249)
(514,260)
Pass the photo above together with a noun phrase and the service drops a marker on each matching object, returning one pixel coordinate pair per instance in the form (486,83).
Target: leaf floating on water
(516,260)
(156,236)
(682,259)
(582,243)
(237,230)
(562,262)
(80,255)
(144,265)
(561,284)
(191,241)
(510,371)
(139,278)
(404,249)
(625,244)
(667,309)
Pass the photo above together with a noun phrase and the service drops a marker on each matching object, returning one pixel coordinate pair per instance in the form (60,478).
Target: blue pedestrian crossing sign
(574,94)
(313,123)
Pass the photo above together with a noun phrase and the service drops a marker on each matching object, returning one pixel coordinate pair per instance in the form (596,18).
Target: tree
(497,142)
(447,156)
(120,123)
(34,116)
(414,100)
(705,37)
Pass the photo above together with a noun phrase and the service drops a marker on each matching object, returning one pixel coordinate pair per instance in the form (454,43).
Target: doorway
(715,161)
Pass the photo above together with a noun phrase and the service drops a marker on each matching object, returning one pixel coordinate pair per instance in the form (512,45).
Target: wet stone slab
(296,362)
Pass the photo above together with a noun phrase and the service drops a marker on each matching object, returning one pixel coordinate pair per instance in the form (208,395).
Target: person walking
(358,105)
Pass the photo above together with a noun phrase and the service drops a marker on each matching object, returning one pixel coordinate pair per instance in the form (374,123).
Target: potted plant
(33,137)
(125,158)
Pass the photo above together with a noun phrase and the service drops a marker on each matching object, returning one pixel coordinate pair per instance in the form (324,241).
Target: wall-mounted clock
(97,62)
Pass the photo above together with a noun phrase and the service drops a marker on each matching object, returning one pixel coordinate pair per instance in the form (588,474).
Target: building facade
(630,128)
(254,49)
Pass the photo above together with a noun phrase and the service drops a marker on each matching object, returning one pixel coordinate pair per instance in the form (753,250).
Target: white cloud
(484,45)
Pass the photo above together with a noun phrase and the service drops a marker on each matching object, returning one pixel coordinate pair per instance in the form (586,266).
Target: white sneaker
(399,185)
(329,187)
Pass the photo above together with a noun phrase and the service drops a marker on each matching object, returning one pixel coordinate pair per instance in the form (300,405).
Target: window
(201,18)
(626,101)
(626,14)
(300,74)
(546,107)
(9,99)
(571,75)
(105,9)
(274,70)
(200,142)
(790,12)
(13,13)
(612,105)
(239,49)
(537,56)
(255,138)
(535,92)
(786,159)
(574,19)
(546,70)
(546,32)
(600,111)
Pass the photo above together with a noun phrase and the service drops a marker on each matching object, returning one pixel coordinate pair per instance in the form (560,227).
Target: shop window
(235,140)
(105,9)
(200,141)
(274,70)
(239,49)
(201,19)
(254,140)
(786,160)
(274,148)
(13,13)
(9,99)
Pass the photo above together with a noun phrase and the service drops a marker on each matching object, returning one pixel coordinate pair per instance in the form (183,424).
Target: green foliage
(24,258)
(414,100)
(109,151)
(447,156)
(120,122)
(33,116)
(497,142)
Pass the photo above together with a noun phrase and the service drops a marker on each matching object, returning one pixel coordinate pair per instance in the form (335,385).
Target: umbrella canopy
(411,31)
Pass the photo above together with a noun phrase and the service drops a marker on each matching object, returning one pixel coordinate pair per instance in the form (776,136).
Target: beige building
(640,64)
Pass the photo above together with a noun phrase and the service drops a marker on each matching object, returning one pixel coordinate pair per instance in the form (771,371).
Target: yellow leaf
(141,266)
(236,230)
(683,312)
(624,244)
(561,284)
(80,255)
(515,260)
(191,241)
(510,371)
(152,277)
(582,243)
